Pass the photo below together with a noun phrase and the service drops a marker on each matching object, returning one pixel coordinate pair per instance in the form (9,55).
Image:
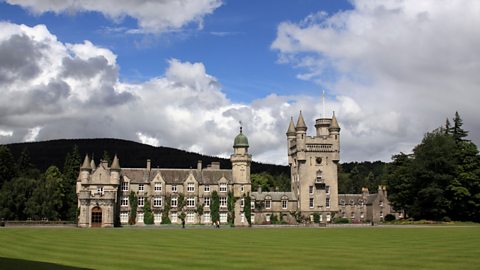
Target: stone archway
(96,217)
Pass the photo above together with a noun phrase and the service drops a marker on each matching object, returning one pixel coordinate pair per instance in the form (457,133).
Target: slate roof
(276,196)
(177,176)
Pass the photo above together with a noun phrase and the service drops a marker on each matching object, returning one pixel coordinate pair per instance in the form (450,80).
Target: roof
(291,128)
(301,123)
(177,176)
(276,196)
(334,123)
(115,164)
(86,163)
(241,140)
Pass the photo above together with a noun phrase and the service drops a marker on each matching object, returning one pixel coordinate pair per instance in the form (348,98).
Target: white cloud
(400,68)
(152,16)
(6,133)
(145,139)
(32,134)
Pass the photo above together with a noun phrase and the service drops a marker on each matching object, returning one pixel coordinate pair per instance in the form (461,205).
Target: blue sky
(182,73)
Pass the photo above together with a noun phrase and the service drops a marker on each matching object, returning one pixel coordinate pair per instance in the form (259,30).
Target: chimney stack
(199,165)
(149,164)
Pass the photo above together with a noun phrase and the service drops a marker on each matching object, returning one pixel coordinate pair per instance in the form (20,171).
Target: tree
(215,207)
(133,201)
(231,208)
(14,196)
(448,127)
(106,157)
(71,169)
(24,167)
(247,209)
(147,212)
(7,165)
(166,211)
(47,199)
(457,132)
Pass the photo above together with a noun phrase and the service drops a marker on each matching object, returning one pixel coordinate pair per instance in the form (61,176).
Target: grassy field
(440,247)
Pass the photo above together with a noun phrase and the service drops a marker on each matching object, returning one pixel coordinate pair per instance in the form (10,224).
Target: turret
(334,128)
(85,169)
(291,135)
(241,159)
(115,170)
(301,132)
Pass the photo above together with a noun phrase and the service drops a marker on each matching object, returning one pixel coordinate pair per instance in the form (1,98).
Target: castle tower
(313,164)
(241,160)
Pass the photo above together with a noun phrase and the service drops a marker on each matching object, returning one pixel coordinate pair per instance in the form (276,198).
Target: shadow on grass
(9,263)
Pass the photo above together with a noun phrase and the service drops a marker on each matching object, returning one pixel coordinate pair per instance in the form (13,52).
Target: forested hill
(131,154)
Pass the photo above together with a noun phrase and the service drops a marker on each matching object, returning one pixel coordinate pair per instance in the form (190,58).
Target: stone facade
(103,191)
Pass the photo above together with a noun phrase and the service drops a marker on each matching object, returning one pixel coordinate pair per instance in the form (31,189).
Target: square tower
(313,162)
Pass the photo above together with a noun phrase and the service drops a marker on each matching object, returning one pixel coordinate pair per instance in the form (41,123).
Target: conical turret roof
(334,123)
(291,128)
(86,163)
(301,123)
(92,164)
(115,164)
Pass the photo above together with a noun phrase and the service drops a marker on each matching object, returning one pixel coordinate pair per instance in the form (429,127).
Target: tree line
(440,180)
(28,193)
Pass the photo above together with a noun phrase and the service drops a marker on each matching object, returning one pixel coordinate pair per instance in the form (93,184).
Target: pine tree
(7,165)
(457,132)
(448,128)
(71,169)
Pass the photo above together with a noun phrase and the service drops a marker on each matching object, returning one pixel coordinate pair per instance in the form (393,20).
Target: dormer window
(124,186)
(190,187)
(174,188)
(223,187)
(158,187)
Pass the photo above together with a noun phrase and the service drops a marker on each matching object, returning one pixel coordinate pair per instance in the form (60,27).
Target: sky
(183,73)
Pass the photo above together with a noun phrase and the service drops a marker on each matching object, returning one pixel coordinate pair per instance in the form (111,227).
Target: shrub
(390,217)
(316,217)
(341,221)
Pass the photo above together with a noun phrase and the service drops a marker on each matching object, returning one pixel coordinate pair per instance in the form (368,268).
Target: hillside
(131,154)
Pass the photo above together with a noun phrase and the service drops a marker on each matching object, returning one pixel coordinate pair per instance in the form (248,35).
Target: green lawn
(440,247)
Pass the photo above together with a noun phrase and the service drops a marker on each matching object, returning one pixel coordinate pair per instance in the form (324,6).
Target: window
(206,218)
(223,217)
(242,217)
(310,189)
(124,217)
(141,201)
(242,202)
(381,203)
(242,188)
(342,202)
(190,187)
(353,215)
(174,218)
(223,202)
(157,202)
(191,202)
(140,218)
(267,218)
(206,201)
(284,204)
(361,215)
(381,214)
(327,189)
(124,186)
(311,203)
(321,217)
(174,202)
(100,190)
(268,203)
(223,187)
(158,187)
(206,188)
(252,218)
(252,204)
(329,217)
(352,203)
(124,201)
(327,202)
(141,187)
(174,188)
(190,218)
(157,217)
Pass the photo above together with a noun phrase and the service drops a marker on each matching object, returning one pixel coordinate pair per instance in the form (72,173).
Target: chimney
(216,165)
(259,189)
(199,165)
(149,164)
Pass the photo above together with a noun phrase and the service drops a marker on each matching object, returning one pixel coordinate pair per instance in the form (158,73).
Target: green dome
(240,141)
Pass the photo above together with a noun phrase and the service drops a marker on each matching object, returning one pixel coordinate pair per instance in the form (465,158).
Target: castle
(103,191)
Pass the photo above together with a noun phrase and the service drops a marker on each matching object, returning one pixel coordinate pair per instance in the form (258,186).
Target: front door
(97,217)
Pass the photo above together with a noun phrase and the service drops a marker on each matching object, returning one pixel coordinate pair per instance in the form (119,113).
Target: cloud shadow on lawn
(11,264)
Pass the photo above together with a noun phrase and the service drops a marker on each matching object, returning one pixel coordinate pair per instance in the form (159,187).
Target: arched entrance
(97,217)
